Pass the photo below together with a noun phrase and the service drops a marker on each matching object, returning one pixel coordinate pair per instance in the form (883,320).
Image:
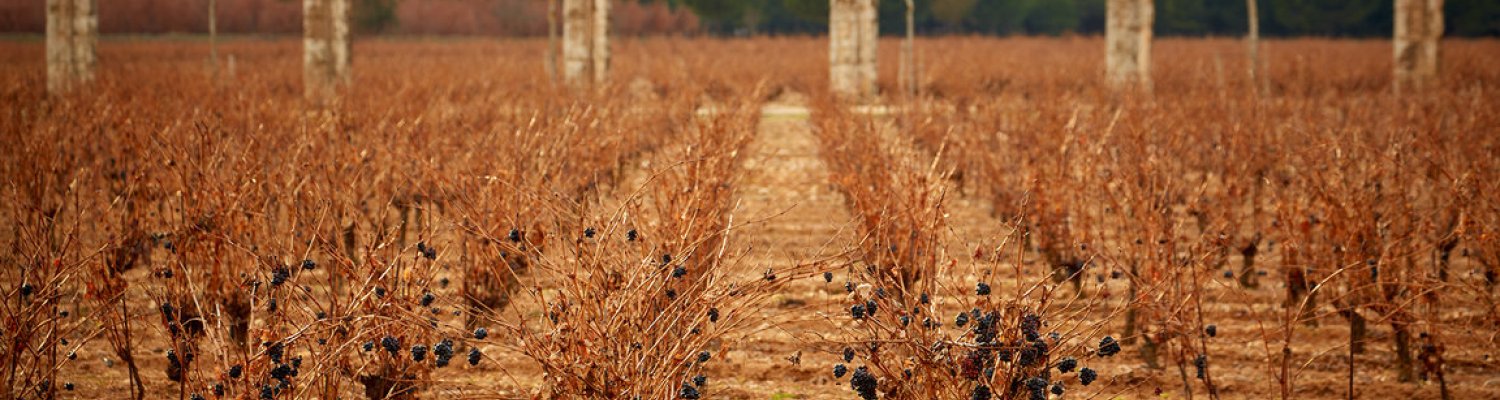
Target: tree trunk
(72,35)
(326,49)
(1419,26)
(852,34)
(1127,36)
(585,42)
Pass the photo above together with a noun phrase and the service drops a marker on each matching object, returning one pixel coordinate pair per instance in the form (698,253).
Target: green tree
(1003,17)
(813,11)
(1184,17)
(374,16)
(1472,17)
(1052,17)
(952,12)
(1331,17)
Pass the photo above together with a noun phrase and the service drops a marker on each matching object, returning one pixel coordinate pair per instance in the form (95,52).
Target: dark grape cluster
(418,352)
(443,352)
(1031,325)
(391,344)
(1067,365)
(688,392)
(1108,346)
(857,311)
(981,392)
(1037,387)
(426,251)
(1087,376)
(864,383)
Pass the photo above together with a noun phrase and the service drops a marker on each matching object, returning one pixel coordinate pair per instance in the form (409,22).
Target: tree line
(1334,18)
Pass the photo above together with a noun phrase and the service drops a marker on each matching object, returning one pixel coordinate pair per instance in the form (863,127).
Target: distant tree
(1331,17)
(952,12)
(1003,17)
(1052,17)
(1181,17)
(720,16)
(374,16)
(1200,17)
(812,11)
(1090,16)
(1473,17)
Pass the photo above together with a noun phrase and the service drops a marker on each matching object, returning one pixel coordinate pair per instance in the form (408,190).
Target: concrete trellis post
(852,33)
(585,41)
(908,53)
(1252,41)
(1419,27)
(326,48)
(601,40)
(1127,38)
(72,35)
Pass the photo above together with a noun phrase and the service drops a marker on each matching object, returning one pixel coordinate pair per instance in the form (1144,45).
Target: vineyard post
(213,41)
(600,39)
(1252,40)
(585,42)
(1127,38)
(72,35)
(551,54)
(908,54)
(1419,26)
(852,34)
(326,48)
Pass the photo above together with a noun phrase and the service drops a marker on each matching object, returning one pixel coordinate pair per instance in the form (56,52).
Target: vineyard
(713,223)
